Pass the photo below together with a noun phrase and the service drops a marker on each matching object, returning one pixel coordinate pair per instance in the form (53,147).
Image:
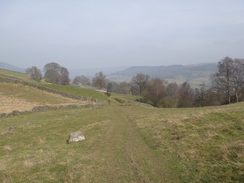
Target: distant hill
(90,73)
(194,74)
(11,67)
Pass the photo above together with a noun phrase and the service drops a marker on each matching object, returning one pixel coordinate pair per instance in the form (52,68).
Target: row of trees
(53,73)
(227,85)
(99,81)
(160,93)
(56,74)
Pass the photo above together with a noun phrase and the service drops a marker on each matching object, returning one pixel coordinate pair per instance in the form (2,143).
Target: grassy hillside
(124,143)
(12,74)
(68,89)
(85,92)
(17,97)
(206,143)
(124,97)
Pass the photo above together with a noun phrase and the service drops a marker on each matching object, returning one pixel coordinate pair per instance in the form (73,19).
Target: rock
(76,137)
(8,130)
(29,123)
(16,112)
(3,114)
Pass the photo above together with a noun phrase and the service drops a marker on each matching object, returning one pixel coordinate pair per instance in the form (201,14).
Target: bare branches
(229,80)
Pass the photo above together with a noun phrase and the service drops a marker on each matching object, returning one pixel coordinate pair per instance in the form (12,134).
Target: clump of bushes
(108,94)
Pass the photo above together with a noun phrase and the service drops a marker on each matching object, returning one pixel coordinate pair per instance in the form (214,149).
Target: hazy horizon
(109,34)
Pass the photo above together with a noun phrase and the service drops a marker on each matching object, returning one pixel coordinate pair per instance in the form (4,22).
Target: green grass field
(31,94)
(89,93)
(16,75)
(124,143)
(77,91)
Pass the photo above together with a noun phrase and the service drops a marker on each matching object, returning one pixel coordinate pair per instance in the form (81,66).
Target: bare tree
(99,81)
(56,74)
(34,73)
(172,96)
(238,77)
(51,72)
(139,83)
(200,96)
(82,80)
(51,66)
(223,80)
(64,76)
(52,76)
(212,97)
(156,91)
(124,88)
(112,87)
(121,88)
(186,96)
(172,90)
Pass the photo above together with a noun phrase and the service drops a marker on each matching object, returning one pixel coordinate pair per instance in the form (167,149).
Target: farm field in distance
(124,142)
(16,97)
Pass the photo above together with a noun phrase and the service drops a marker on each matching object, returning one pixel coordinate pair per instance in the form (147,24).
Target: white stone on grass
(76,137)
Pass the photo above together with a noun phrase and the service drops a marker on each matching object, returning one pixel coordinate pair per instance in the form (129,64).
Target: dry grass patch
(9,104)
(7,148)
(24,98)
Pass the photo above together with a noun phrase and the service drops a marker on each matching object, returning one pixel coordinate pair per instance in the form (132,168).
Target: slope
(125,143)
(113,150)
(7,76)
(17,97)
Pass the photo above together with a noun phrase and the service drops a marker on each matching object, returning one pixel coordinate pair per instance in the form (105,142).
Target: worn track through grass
(113,152)
(126,155)
(124,144)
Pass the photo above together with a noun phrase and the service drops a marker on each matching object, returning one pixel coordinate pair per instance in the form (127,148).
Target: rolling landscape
(121,91)
(194,74)
(125,141)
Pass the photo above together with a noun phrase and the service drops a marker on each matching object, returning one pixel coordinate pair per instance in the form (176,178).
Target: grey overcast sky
(115,33)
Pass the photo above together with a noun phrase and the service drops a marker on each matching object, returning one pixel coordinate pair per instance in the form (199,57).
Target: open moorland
(125,142)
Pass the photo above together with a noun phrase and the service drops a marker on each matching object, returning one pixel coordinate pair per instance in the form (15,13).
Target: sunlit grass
(206,142)
(124,143)
(78,91)
(15,75)
(125,97)
(31,94)
(89,93)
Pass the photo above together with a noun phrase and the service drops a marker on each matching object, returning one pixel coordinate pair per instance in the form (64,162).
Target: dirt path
(123,156)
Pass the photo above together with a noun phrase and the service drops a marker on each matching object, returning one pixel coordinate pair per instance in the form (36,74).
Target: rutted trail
(123,156)
(126,143)
(114,150)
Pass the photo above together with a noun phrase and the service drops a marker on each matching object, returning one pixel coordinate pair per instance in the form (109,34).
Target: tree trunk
(237,97)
